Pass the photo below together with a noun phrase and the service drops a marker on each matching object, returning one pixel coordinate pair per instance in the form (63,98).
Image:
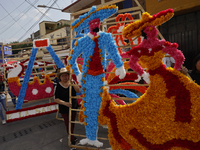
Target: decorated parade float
(29,74)
(109,65)
(31,90)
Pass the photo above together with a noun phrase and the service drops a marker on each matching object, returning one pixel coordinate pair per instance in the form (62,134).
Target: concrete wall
(56,34)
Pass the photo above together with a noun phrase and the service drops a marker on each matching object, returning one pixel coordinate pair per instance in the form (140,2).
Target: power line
(17,19)
(13,10)
(37,21)
(38,9)
(32,5)
(57,5)
(41,11)
(12,18)
(28,8)
(35,16)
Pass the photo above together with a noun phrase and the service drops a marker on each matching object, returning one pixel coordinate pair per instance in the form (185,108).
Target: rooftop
(77,5)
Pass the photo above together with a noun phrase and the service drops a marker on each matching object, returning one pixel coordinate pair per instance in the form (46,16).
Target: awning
(77,5)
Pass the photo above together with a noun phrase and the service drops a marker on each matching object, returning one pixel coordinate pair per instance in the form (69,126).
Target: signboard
(29,112)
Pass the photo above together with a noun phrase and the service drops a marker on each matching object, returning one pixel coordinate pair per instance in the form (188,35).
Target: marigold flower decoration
(167,115)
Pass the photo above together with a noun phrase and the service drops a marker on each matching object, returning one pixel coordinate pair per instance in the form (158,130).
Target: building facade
(183,28)
(56,32)
(35,35)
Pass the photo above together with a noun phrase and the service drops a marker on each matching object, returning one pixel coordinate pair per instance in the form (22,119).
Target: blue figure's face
(94,26)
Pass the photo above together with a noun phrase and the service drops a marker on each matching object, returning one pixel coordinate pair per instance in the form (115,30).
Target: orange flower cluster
(14,79)
(81,115)
(35,79)
(79,66)
(151,65)
(152,122)
(134,29)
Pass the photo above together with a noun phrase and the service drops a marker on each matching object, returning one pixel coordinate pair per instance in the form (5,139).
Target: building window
(62,41)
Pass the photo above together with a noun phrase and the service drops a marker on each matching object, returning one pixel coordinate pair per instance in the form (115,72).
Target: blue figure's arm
(79,34)
(75,52)
(111,48)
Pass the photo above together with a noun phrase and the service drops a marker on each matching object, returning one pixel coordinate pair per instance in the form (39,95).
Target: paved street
(40,133)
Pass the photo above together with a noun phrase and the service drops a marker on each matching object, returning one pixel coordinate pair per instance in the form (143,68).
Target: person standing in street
(3,103)
(62,98)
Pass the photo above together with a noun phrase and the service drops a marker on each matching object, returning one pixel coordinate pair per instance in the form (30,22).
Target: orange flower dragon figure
(167,116)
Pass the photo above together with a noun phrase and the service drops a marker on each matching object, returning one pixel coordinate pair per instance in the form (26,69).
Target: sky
(20,18)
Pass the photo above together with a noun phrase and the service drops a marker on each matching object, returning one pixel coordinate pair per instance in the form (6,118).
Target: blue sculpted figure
(93,47)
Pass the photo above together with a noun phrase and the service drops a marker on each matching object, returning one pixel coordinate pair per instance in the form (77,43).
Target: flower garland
(79,34)
(81,116)
(83,43)
(182,108)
